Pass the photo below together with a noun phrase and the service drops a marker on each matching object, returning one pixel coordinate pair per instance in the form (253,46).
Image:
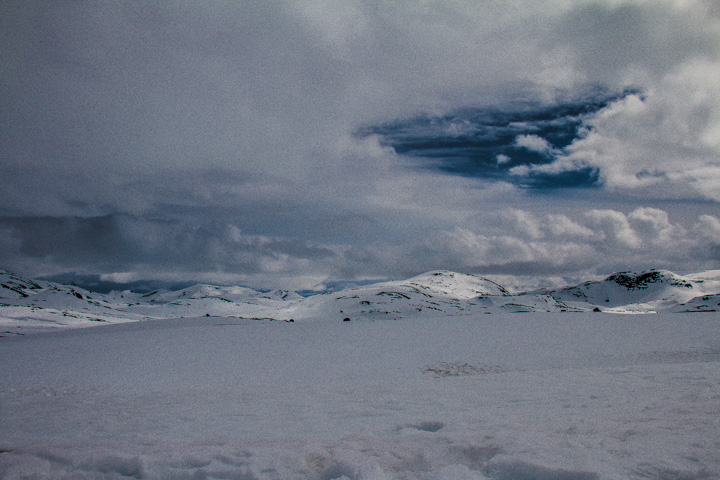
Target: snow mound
(14,287)
(704,303)
(709,276)
(454,285)
(40,304)
(430,294)
(648,291)
(200,291)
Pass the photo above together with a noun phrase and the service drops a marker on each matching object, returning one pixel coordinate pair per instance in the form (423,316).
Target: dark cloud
(93,239)
(172,250)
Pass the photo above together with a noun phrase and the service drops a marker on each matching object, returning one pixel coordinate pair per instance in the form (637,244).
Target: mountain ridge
(28,303)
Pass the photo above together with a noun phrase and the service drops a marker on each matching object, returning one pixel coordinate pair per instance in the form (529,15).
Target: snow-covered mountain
(37,304)
(209,300)
(649,291)
(26,303)
(449,293)
(438,292)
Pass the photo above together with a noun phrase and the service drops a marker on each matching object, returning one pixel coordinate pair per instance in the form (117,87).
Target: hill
(648,291)
(34,304)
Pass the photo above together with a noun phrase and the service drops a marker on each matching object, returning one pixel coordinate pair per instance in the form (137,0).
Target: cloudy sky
(298,144)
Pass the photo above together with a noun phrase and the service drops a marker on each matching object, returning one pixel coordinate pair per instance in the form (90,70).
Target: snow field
(506,396)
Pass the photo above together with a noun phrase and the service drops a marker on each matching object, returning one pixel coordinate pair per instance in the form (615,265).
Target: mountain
(40,304)
(210,300)
(438,292)
(443,283)
(431,294)
(648,291)
(20,291)
(26,303)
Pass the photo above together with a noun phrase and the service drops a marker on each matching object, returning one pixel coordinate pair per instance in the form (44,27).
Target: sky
(301,145)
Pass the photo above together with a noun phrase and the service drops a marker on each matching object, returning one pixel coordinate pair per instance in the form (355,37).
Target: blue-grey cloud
(491,144)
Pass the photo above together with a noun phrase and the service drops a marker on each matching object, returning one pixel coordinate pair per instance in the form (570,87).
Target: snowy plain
(573,396)
(442,376)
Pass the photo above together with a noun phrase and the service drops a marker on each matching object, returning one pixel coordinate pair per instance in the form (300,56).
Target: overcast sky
(295,144)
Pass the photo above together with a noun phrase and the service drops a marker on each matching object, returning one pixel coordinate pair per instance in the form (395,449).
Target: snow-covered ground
(521,396)
(441,376)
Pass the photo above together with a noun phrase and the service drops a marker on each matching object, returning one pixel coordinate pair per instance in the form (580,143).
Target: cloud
(534,143)
(270,94)
(653,223)
(519,144)
(613,229)
(631,42)
(561,226)
(301,142)
(502,159)
(708,227)
(124,246)
(553,246)
(664,139)
(662,143)
(508,242)
(523,223)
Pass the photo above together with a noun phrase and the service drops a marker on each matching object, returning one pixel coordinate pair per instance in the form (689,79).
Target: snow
(646,292)
(503,396)
(34,305)
(704,303)
(441,376)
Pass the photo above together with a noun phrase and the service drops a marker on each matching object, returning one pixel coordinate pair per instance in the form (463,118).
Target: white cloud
(523,223)
(663,143)
(708,228)
(613,229)
(502,159)
(592,242)
(120,277)
(271,94)
(534,143)
(521,170)
(665,139)
(654,225)
(517,242)
(560,225)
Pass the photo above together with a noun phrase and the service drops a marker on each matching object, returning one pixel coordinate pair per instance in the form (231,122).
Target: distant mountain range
(27,304)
